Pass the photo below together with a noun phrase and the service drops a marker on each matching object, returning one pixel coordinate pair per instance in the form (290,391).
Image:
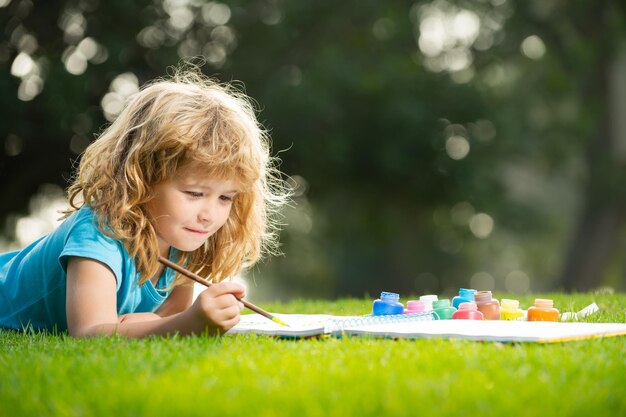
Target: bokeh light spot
(482,281)
(457,147)
(461,213)
(122,87)
(216,13)
(13,145)
(481,225)
(533,47)
(22,65)
(517,282)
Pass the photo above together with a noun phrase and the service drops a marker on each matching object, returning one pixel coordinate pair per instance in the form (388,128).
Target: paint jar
(468,311)
(543,310)
(490,307)
(388,303)
(415,306)
(509,310)
(428,301)
(443,309)
(465,295)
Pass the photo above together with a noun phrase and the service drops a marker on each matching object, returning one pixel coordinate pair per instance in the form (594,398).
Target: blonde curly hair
(168,124)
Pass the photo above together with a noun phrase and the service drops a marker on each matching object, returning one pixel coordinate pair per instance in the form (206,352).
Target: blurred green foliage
(432,145)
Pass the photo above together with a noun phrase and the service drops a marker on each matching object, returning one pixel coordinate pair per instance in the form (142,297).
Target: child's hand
(217,308)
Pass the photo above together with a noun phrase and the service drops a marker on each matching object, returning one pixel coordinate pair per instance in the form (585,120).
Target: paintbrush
(206,283)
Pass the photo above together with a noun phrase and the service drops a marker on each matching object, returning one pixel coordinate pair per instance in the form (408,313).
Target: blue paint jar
(465,296)
(387,304)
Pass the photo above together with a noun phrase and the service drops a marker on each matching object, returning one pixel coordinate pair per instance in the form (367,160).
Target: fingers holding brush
(236,292)
(218,306)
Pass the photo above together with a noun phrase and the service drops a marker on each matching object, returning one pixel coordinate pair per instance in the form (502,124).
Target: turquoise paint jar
(443,309)
(466,295)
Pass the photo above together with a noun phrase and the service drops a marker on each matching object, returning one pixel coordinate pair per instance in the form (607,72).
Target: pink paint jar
(415,306)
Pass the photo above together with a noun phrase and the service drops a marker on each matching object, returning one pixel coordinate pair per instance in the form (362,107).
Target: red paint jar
(468,311)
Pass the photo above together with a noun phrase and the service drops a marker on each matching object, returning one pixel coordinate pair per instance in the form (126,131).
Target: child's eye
(226,198)
(194,194)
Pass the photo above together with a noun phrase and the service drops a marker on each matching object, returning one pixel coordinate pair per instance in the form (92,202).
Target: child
(183,172)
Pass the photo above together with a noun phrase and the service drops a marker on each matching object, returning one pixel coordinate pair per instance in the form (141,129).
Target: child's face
(190,208)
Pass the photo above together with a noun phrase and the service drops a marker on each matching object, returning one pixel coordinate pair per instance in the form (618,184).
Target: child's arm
(91,306)
(179,300)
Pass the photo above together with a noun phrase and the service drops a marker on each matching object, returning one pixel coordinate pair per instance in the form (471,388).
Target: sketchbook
(312,325)
(423,326)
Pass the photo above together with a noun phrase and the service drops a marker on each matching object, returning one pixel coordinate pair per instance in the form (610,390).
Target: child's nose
(206,212)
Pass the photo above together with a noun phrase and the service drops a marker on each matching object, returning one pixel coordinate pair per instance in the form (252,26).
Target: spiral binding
(338,325)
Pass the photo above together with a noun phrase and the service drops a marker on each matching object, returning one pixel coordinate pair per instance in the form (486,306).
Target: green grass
(55,375)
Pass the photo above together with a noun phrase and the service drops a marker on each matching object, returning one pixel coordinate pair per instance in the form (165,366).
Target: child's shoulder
(84,214)
(82,236)
(84,224)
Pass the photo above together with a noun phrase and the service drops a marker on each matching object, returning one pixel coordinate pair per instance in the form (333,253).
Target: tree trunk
(602,219)
(594,246)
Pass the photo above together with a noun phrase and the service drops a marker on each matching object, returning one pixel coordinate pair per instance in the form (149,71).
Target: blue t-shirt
(33,280)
